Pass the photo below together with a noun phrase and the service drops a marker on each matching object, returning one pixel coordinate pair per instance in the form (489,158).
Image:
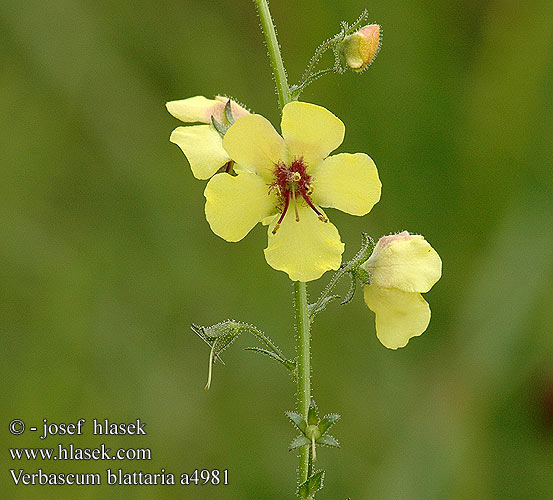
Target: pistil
(295,203)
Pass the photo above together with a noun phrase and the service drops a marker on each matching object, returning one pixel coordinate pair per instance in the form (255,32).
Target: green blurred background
(107,257)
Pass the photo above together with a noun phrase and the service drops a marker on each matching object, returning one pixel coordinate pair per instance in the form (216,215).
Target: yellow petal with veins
(399,315)
(305,249)
(235,204)
(348,182)
(203,148)
(254,144)
(310,131)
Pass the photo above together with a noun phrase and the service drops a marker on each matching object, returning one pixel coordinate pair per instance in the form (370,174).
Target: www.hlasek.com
(21,477)
(70,452)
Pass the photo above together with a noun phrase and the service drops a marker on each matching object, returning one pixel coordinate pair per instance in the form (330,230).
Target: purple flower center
(290,182)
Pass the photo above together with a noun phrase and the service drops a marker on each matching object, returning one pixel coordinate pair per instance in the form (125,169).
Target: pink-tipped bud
(360,49)
(200,110)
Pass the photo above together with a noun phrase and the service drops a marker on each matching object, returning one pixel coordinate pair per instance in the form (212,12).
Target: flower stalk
(303,380)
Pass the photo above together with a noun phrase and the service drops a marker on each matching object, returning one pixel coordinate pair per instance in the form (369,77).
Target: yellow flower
(202,144)
(284,181)
(401,267)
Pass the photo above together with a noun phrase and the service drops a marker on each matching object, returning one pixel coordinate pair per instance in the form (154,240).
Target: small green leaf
(313,413)
(297,420)
(299,441)
(312,485)
(290,365)
(328,440)
(271,354)
(328,421)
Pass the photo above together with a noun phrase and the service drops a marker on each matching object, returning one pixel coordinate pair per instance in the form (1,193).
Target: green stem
(317,56)
(281,82)
(303,380)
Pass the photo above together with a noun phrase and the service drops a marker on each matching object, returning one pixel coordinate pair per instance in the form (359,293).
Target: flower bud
(360,49)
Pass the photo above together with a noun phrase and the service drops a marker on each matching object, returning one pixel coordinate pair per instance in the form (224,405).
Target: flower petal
(310,131)
(194,109)
(348,182)
(235,204)
(404,261)
(399,315)
(305,249)
(203,148)
(254,144)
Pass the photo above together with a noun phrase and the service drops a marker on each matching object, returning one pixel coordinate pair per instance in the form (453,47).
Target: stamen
(310,203)
(286,203)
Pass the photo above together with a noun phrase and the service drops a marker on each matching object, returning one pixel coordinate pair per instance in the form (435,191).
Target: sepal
(298,442)
(297,420)
(313,413)
(328,421)
(328,440)
(227,120)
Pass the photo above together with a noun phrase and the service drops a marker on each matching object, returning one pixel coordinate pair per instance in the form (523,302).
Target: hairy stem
(281,82)
(303,393)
